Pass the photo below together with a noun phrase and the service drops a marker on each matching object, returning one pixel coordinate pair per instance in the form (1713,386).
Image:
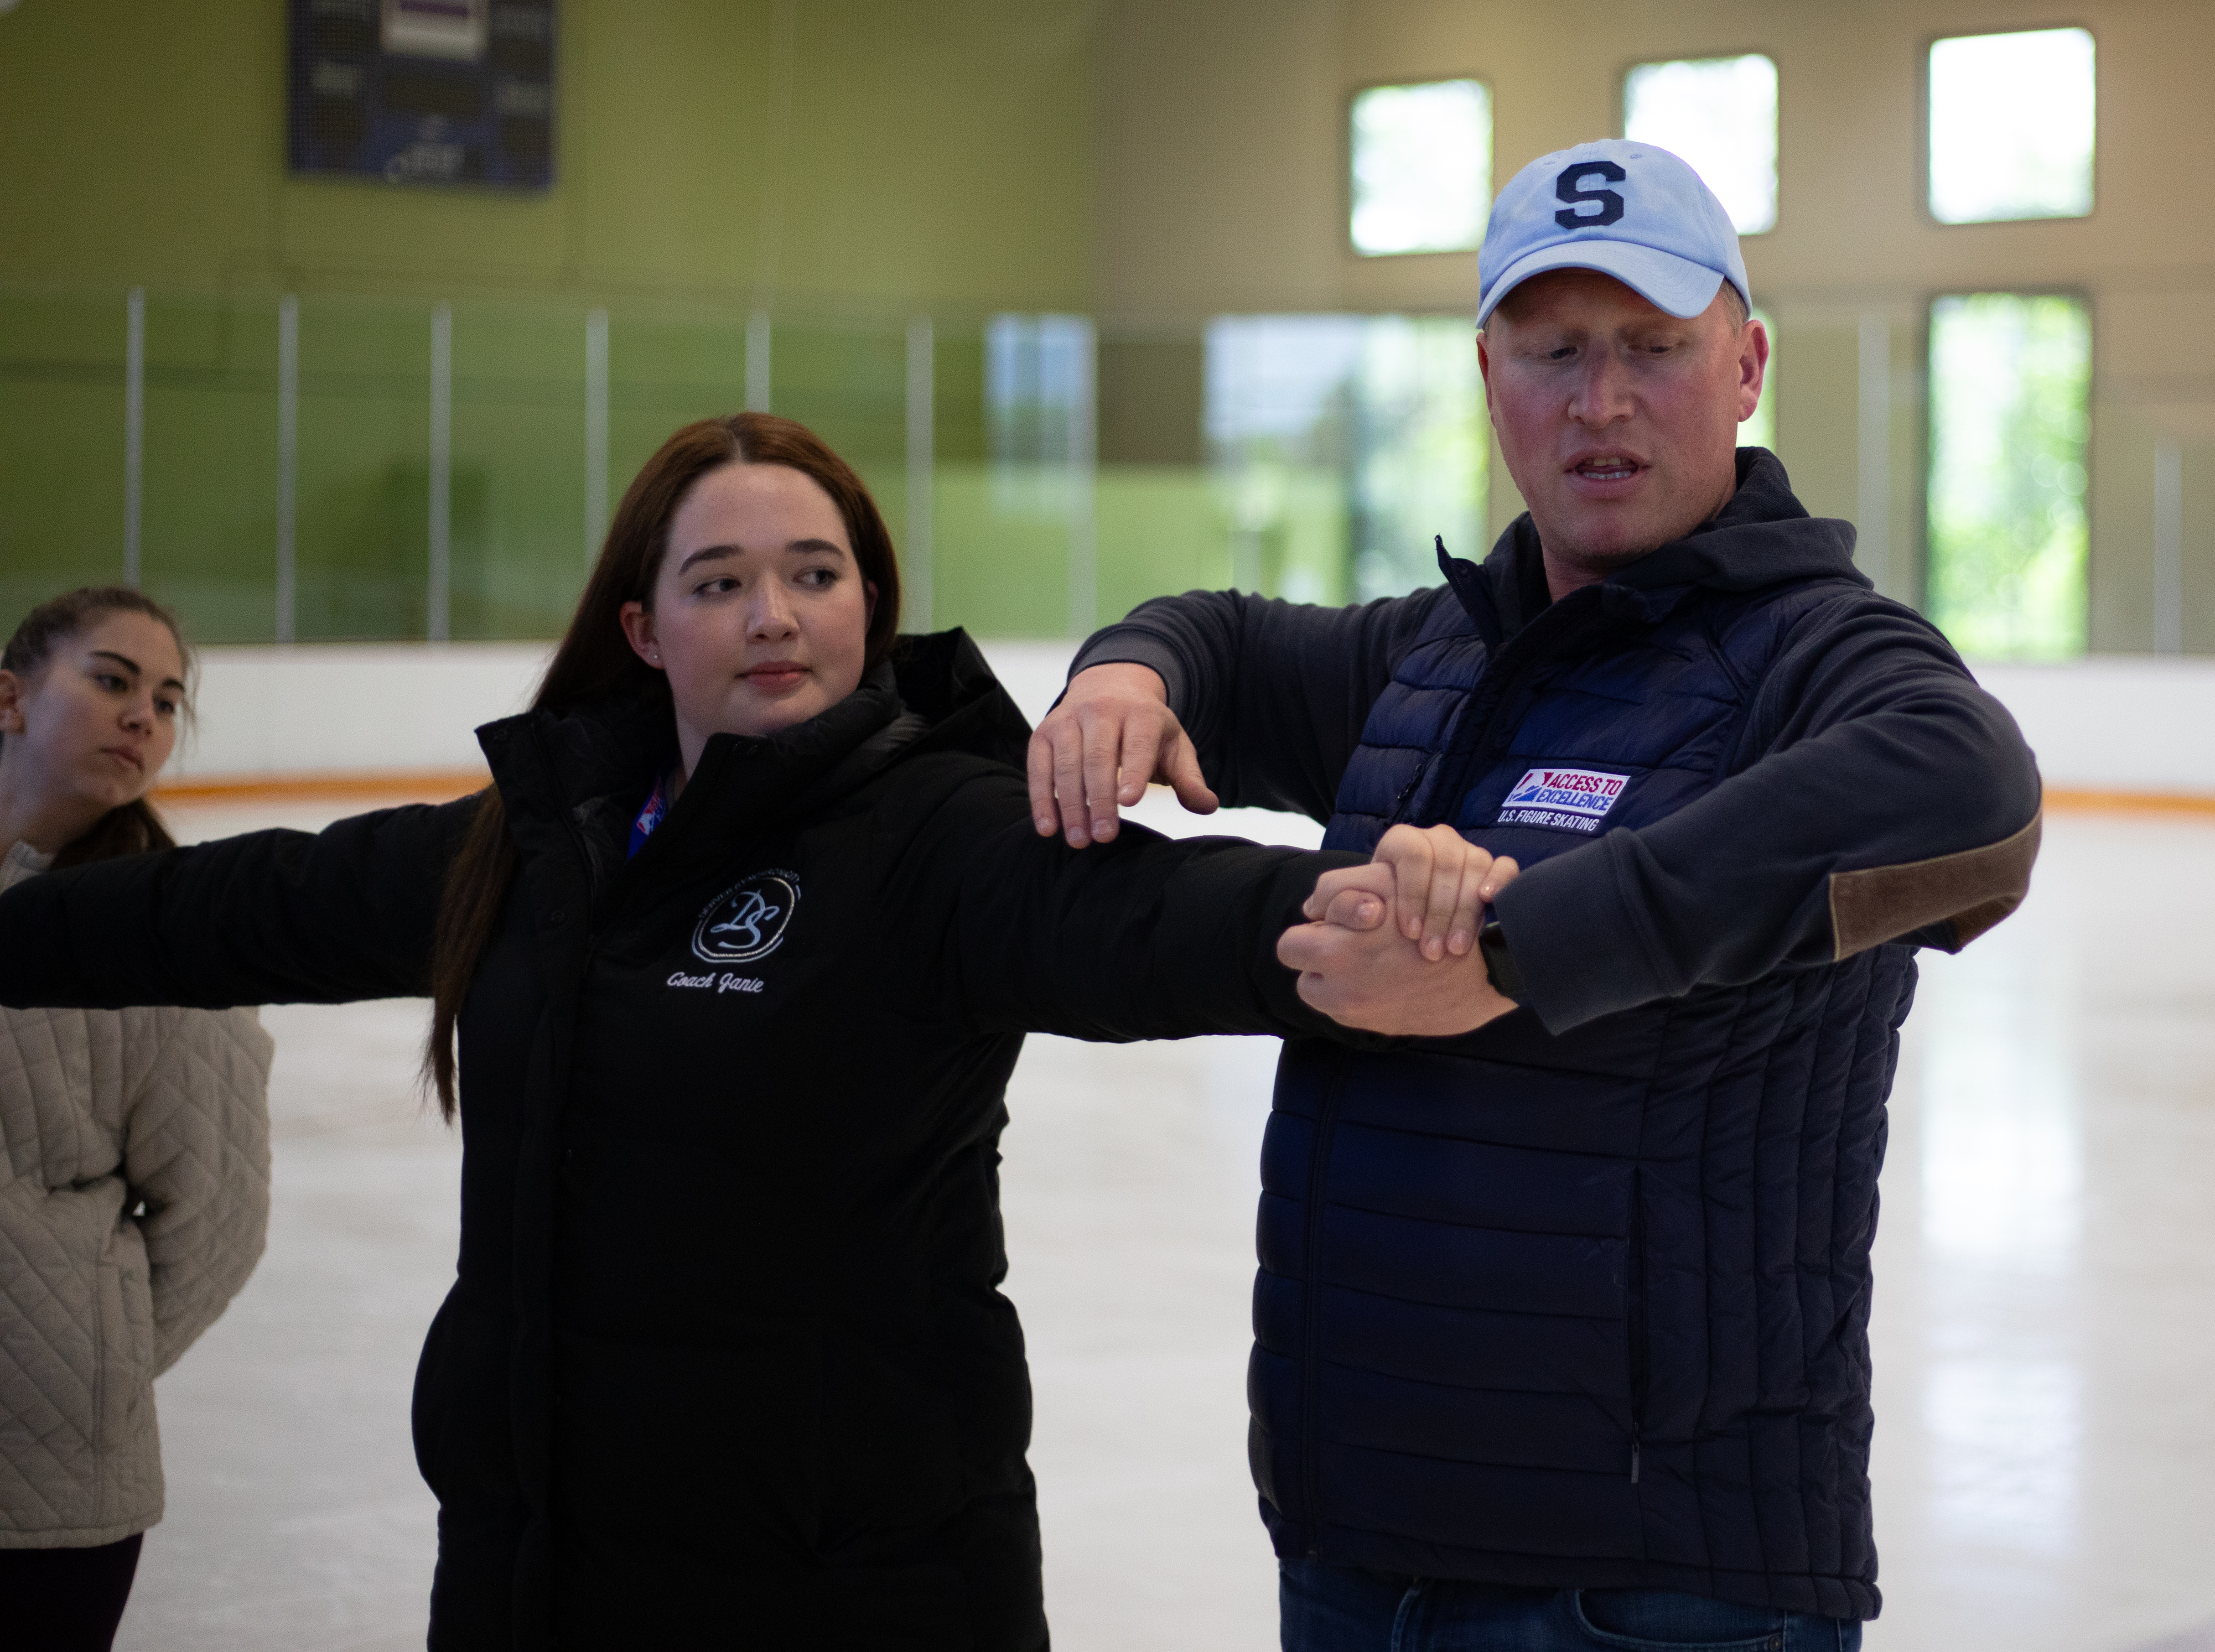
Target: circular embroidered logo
(747,920)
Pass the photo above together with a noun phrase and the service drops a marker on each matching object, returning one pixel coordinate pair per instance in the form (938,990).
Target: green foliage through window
(2010,376)
(1347,445)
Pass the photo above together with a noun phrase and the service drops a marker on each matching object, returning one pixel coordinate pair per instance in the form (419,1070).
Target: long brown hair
(131,828)
(595,661)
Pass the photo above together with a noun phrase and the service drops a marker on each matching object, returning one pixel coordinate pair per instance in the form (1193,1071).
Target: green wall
(932,154)
(845,164)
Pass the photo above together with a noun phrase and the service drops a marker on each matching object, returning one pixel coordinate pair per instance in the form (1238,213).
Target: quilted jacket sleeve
(196,1156)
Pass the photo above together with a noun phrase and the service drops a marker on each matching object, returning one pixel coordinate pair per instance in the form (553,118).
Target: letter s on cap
(1565,188)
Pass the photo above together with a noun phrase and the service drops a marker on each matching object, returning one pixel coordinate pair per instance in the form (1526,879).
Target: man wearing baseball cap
(1560,1328)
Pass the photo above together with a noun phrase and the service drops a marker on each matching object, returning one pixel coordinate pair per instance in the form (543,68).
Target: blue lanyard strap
(656,810)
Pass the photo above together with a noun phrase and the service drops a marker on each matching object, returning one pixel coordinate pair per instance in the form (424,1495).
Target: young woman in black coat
(730,965)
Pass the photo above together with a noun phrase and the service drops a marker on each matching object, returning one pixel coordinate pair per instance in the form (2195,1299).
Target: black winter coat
(726,1363)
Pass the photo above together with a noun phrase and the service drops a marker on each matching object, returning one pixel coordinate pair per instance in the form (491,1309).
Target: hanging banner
(424,91)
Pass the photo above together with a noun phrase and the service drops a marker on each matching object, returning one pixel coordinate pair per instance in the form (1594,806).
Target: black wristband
(1499,963)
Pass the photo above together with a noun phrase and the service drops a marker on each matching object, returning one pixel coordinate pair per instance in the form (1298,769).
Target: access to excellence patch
(1566,800)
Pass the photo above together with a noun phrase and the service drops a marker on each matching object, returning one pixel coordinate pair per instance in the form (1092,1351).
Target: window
(2011,122)
(2009,374)
(1343,446)
(1719,114)
(1422,167)
(1038,407)
(1041,519)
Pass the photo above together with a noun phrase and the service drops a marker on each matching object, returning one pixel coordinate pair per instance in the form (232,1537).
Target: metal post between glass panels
(758,362)
(288,464)
(1873,493)
(437,617)
(917,582)
(134,428)
(596,431)
(1083,527)
(2167,549)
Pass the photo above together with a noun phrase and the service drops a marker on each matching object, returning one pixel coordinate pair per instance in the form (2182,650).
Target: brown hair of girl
(595,661)
(131,828)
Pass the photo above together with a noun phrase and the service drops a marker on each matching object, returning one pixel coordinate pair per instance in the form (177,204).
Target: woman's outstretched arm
(1143,937)
(268,918)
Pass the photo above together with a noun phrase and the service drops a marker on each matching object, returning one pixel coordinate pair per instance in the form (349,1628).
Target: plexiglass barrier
(318,466)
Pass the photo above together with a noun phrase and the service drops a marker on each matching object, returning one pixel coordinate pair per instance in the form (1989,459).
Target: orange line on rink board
(2128,802)
(442,785)
(410,785)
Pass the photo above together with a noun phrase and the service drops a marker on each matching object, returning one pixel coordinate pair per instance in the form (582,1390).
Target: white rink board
(2105,723)
(2115,722)
(345,708)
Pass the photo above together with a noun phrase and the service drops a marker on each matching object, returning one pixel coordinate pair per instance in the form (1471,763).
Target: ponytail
(131,828)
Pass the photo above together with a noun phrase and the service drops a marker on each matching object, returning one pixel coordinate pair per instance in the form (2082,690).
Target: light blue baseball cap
(1630,210)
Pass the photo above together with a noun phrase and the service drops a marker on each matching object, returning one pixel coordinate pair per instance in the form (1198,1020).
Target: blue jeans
(1346,1609)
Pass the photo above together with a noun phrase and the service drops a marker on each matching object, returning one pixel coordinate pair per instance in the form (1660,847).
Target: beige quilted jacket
(134,1193)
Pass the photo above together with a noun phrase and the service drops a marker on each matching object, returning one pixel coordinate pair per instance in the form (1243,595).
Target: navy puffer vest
(1585,1311)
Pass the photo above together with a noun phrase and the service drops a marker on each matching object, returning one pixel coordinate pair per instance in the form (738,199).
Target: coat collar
(580,773)
(1762,536)
(22,861)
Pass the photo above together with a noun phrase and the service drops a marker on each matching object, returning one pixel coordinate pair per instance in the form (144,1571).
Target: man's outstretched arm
(1265,699)
(1889,797)
(1896,801)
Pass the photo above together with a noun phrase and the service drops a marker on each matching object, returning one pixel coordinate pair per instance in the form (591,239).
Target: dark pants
(66,1600)
(1345,1609)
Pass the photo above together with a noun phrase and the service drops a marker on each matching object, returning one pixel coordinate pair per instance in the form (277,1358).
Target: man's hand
(1377,979)
(1440,886)
(1426,980)
(1112,732)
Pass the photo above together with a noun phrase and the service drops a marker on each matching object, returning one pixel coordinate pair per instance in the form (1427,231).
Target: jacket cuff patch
(1970,891)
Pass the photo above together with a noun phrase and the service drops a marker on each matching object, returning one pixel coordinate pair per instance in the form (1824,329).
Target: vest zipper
(1634,1328)
(1311,1288)
(1400,803)
(1498,678)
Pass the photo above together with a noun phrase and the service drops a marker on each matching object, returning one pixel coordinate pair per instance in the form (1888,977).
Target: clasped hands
(1392,947)
(1420,974)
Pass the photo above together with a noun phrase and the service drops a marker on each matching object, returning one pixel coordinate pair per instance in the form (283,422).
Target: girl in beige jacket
(134,1143)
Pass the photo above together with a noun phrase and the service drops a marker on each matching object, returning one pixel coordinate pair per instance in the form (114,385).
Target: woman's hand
(1434,881)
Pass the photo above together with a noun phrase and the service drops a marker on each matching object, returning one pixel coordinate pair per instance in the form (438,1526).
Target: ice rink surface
(2044,1335)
